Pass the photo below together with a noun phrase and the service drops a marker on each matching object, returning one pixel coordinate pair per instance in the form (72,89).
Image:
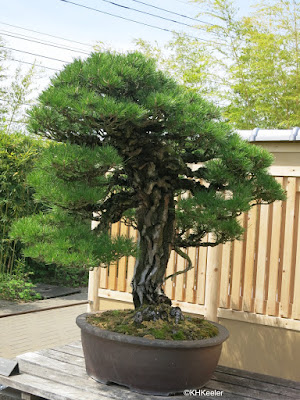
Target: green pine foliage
(71,180)
(127,139)
(63,239)
(79,176)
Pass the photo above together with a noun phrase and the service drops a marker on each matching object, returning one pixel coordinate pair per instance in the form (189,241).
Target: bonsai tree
(128,143)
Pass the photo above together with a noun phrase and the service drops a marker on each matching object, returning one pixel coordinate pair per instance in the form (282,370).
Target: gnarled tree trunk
(156,222)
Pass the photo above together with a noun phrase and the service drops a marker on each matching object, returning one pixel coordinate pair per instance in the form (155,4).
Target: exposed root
(154,313)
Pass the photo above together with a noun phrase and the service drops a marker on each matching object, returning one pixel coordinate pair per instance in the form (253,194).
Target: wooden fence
(256,279)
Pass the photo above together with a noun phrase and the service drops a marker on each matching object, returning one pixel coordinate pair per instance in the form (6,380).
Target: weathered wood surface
(7,367)
(59,374)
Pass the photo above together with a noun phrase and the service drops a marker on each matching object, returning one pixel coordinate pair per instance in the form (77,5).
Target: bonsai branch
(186,257)
(196,242)
(113,208)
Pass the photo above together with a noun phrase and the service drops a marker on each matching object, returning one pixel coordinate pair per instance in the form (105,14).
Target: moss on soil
(122,321)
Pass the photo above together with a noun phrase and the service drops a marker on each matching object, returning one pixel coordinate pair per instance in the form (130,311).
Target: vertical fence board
(102,272)
(168,286)
(94,281)
(236,275)
(213,273)
(225,276)
(261,259)
(288,248)
(179,279)
(131,261)
(201,278)
(296,298)
(122,263)
(112,272)
(236,272)
(190,277)
(103,278)
(272,301)
(249,260)
(130,270)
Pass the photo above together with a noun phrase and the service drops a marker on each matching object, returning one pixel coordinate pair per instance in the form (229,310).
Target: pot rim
(121,337)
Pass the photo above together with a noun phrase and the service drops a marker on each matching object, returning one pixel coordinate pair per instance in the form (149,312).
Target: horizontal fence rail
(259,278)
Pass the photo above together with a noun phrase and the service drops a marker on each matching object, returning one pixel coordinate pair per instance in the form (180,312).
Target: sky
(65,19)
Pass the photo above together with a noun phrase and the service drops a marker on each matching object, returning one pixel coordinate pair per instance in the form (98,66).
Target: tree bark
(156,223)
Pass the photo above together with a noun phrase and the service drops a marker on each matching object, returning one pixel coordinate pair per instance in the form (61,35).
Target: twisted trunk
(156,222)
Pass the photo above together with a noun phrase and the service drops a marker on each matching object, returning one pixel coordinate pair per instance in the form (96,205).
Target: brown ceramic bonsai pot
(158,367)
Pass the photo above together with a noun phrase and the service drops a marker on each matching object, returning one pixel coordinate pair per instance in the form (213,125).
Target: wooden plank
(94,282)
(51,390)
(281,170)
(235,384)
(8,367)
(90,390)
(261,260)
(169,283)
(262,386)
(296,298)
(259,377)
(28,363)
(71,350)
(122,263)
(131,261)
(201,278)
(190,277)
(249,260)
(112,269)
(91,290)
(127,297)
(179,279)
(88,387)
(286,323)
(224,395)
(237,258)
(77,344)
(190,308)
(288,249)
(213,274)
(242,391)
(55,372)
(115,295)
(58,375)
(62,356)
(272,301)
(27,396)
(103,281)
(225,276)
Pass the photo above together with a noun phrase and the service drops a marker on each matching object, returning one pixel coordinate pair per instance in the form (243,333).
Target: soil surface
(164,322)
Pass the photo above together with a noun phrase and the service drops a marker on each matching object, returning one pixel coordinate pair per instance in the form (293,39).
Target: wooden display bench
(59,374)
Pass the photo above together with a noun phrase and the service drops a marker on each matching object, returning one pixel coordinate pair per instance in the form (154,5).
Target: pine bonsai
(126,142)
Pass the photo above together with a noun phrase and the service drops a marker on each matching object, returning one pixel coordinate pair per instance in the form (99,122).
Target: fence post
(94,278)
(212,285)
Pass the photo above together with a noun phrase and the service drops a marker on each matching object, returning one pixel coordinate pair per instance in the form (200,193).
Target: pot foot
(151,393)
(103,381)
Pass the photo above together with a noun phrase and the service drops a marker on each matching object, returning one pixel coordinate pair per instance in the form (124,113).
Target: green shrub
(17,288)
(17,153)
